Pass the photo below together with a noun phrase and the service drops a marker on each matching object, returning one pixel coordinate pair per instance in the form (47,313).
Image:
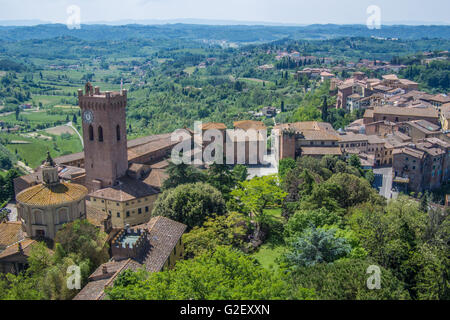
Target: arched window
(91,133)
(100,134)
(63,216)
(38,217)
(118,132)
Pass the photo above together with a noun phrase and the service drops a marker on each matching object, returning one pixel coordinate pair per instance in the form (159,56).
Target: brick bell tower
(104,136)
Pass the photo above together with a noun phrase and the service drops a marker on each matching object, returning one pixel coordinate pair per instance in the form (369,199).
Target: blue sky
(279,11)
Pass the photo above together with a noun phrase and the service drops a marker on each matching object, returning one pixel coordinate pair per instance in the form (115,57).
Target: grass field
(257,81)
(39,117)
(46,100)
(268,254)
(273,248)
(34,153)
(190,70)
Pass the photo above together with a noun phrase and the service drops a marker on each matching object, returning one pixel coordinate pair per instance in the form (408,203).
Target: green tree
(226,230)
(317,245)
(240,173)
(181,174)
(221,178)
(222,274)
(325,109)
(347,280)
(285,166)
(190,204)
(84,240)
(410,242)
(19,287)
(304,219)
(254,195)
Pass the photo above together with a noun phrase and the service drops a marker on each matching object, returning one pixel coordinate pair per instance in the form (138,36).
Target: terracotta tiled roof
(149,143)
(326,74)
(10,232)
(382,88)
(415,112)
(41,195)
(440,98)
(305,125)
(214,125)
(156,178)
(409,151)
(317,151)
(98,281)
(350,137)
(408,82)
(372,139)
(390,77)
(313,135)
(95,216)
(249,124)
(127,189)
(429,148)
(438,142)
(164,235)
(26,245)
(140,141)
(154,145)
(368,113)
(160,165)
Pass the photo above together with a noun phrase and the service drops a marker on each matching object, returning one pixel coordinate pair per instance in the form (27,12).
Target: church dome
(43,195)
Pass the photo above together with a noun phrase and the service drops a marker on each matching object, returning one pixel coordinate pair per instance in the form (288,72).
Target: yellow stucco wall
(131,212)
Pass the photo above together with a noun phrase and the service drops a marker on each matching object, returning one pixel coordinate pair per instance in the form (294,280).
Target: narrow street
(385,187)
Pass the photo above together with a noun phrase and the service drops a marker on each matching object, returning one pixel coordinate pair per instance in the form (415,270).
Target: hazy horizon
(150,22)
(270,12)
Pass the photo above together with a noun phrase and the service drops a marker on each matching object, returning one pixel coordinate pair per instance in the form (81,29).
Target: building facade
(44,208)
(104,136)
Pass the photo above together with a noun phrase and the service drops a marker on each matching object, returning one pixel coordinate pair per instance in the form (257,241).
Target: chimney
(97,90)
(104,269)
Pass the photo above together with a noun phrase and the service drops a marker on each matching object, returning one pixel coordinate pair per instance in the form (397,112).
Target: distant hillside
(235,33)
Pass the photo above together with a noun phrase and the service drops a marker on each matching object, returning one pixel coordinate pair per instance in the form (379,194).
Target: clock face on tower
(88,116)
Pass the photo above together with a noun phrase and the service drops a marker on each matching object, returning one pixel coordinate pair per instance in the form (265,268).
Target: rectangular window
(118,214)
(139,211)
(128,214)
(146,209)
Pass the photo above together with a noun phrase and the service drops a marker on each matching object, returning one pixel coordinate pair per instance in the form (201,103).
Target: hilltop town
(328,146)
